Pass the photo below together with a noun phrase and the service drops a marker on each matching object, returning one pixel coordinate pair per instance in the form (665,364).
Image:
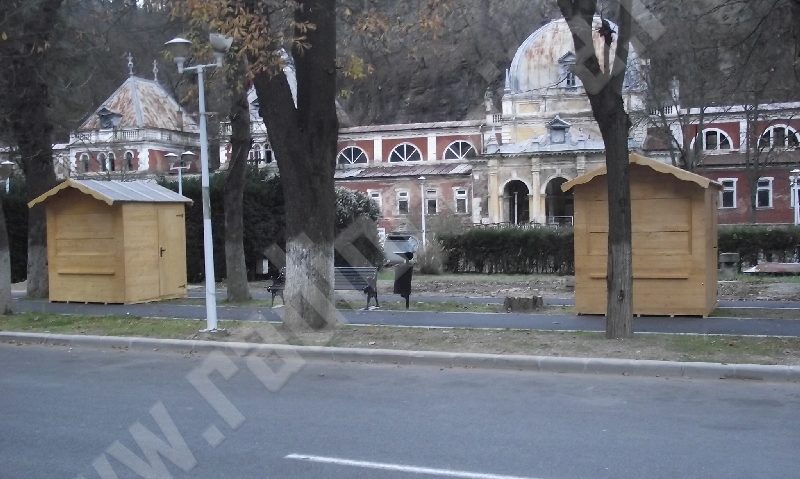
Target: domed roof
(536,64)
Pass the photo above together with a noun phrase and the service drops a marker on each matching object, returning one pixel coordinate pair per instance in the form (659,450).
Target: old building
(129,134)
(752,150)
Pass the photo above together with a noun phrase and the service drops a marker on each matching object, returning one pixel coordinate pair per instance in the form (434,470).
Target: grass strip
(724,349)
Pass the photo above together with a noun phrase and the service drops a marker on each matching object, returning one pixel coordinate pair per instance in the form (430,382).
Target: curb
(625,367)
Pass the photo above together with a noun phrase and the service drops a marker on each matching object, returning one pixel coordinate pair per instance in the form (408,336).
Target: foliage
(754,243)
(539,250)
(265,224)
(429,260)
(357,242)
(15,208)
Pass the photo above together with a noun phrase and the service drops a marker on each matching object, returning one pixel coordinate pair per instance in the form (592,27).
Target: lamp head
(220,44)
(6,168)
(180,49)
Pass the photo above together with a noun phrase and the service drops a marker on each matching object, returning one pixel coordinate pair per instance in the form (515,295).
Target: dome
(536,65)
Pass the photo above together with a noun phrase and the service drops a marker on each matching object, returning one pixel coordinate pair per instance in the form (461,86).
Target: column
(494,206)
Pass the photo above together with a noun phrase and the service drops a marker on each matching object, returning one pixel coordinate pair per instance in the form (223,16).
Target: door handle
(161,252)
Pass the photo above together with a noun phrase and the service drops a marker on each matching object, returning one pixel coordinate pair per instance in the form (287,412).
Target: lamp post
(6,168)
(180,164)
(795,186)
(422,209)
(180,48)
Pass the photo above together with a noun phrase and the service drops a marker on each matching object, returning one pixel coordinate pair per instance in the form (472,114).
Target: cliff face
(720,51)
(438,76)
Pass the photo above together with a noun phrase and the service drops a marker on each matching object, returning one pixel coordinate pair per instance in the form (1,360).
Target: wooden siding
(673,245)
(85,257)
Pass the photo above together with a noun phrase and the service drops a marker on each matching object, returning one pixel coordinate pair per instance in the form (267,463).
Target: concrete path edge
(625,367)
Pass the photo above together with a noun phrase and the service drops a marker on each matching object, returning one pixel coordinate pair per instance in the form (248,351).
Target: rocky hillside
(717,48)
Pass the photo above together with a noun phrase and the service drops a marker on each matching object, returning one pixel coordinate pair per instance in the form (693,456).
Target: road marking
(400,467)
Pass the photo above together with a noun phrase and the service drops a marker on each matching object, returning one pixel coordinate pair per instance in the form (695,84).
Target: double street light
(179,164)
(795,196)
(180,49)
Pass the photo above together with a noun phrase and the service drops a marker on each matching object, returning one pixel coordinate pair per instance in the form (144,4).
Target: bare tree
(603,83)
(26,30)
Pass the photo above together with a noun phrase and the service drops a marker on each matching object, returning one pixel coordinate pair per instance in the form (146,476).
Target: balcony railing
(130,135)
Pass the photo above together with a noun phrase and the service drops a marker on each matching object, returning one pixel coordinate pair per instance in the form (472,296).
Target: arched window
(779,136)
(85,162)
(405,152)
(255,154)
(129,160)
(459,150)
(101,158)
(716,140)
(352,155)
(111,160)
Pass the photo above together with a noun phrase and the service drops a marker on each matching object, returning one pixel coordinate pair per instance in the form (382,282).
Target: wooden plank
(140,226)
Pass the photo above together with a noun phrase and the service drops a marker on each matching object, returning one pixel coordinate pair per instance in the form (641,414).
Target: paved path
(64,410)
(553,322)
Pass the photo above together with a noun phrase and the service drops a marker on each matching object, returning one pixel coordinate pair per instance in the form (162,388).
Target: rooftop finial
(155,70)
(130,64)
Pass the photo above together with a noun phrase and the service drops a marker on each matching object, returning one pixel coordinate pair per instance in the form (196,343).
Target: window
(402,202)
(569,80)
(460,196)
(405,152)
(351,155)
(85,163)
(764,193)
(431,202)
(101,158)
(129,160)
(459,150)
(375,196)
(779,136)
(111,159)
(254,155)
(666,110)
(268,155)
(727,197)
(715,140)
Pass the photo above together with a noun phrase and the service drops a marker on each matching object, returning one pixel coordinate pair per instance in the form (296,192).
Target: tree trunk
(619,280)
(26,97)
(604,87)
(5,266)
(235,267)
(304,140)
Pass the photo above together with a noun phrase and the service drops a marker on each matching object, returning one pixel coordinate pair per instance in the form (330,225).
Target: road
(551,322)
(64,410)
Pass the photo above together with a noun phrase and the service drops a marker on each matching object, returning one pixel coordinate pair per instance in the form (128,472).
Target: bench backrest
(354,277)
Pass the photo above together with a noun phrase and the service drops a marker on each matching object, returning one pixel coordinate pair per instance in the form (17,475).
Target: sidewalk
(545,322)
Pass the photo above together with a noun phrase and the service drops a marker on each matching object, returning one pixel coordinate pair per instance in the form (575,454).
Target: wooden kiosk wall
(127,252)
(674,223)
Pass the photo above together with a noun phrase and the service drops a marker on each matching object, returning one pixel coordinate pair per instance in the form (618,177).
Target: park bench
(354,278)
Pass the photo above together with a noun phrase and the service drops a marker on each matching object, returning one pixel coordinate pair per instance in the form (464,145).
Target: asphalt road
(64,412)
(553,322)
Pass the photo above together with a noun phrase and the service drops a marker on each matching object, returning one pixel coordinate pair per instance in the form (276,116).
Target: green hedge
(765,243)
(15,208)
(264,223)
(539,250)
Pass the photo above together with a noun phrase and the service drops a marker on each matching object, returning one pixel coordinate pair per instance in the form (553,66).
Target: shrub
(512,250)
(429,260)
(757,243)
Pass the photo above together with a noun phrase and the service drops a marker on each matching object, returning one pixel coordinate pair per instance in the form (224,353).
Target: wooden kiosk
(674,223)
(114,241)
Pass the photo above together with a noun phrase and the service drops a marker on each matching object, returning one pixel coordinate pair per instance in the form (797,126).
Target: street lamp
(6,168)
(795,188)
(422,208)
(180,48)
(180,164)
